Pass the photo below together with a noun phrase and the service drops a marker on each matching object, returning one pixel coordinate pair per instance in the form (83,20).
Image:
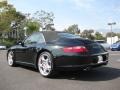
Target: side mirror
(20,43)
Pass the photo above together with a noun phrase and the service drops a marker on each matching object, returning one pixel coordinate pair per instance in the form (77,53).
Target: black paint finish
(26,52)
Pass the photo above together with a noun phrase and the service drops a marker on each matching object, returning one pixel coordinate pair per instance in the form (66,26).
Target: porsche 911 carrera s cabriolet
(51,51)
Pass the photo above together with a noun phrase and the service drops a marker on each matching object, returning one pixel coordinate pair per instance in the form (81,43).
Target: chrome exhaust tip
(87,69)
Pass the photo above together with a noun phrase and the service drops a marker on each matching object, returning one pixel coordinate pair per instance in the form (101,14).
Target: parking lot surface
(25,78)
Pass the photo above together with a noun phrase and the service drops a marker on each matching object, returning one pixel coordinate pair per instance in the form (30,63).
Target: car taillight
(75,49)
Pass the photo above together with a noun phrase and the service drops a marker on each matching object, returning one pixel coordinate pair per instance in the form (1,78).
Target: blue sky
(88,14)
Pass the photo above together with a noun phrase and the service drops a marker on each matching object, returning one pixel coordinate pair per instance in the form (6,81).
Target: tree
(109,34)
(32,26)
(88,34)
(118,34)
(45,19)
(85,33)
(91,31)
(8,14)
(98,36)
(73,29)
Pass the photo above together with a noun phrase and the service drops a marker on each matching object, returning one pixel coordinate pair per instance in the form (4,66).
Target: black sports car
(49,51)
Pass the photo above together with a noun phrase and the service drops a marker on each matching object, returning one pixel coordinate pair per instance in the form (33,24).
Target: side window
(35,38)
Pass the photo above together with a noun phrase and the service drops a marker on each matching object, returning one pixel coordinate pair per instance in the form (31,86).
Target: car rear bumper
(81,67)
(80,62)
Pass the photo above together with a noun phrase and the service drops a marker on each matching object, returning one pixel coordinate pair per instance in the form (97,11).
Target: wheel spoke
(40,65)
(43,58)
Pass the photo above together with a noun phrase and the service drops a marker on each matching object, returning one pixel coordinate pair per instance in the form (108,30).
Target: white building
(112,40)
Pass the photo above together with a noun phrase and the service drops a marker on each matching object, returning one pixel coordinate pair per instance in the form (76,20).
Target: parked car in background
(50,51)
(2,47)
(115,46)
(103,43)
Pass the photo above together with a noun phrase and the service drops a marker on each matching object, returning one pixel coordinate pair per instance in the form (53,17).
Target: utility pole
(111,24)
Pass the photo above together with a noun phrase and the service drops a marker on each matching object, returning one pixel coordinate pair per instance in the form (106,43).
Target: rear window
(51,35)
(68,35)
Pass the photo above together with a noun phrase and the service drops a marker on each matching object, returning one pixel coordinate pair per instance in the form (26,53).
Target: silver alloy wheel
(45,64)
(10,58)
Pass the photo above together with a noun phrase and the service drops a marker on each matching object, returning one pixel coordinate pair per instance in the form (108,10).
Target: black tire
(10,58)
(45,64)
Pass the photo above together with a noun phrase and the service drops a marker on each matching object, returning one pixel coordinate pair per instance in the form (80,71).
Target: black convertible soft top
(54,35)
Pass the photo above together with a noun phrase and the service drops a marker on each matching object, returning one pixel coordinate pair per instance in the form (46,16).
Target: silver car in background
(104,44)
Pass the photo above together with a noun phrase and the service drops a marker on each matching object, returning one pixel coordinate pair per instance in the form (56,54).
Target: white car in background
(103,43)
(2,47)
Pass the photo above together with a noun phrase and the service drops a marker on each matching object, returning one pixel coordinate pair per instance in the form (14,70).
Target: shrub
(8,42)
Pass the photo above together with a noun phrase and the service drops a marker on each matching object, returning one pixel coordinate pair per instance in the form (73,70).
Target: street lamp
(111,24)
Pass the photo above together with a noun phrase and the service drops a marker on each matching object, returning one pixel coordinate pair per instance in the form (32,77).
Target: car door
(28,51)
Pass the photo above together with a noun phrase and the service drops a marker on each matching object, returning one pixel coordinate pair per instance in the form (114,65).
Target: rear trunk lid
(93,47)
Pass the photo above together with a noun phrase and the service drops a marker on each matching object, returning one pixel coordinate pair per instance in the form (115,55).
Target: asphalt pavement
(25,78)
